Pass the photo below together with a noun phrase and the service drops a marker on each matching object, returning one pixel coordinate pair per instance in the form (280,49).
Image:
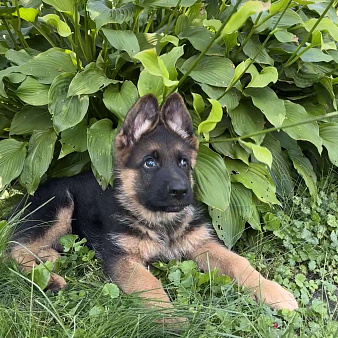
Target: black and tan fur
(148,215)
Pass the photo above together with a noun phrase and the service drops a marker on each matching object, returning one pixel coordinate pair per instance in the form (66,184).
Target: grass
(298,248)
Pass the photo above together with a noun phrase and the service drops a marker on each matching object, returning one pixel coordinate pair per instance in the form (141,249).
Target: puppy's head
(155,152)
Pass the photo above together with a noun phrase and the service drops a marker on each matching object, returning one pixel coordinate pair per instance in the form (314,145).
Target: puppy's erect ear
(176,117)
(142,118)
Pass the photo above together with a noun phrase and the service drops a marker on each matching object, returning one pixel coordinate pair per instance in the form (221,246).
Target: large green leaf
(122,40)
(239,18)
(74,139)
(155,65)
(48,65)
(230,224)
(268,102)
(120,100)
(324,25)
(18,57)
(66,111)
(300,162)
(3,73)
(27,14)
(40,154)
(212,178)
(231,149)
(254,47)
(100,138)
(281,167)
(89,81)
(33,92)
(101,14)
(12,158)
(29,119)
(247,119)
(66,6)
(200,38)
(151,84)
(329,134)
(254,176)
(308,132)
(213,70)
(267,75)
(170,59)
(61,27)
(71,165)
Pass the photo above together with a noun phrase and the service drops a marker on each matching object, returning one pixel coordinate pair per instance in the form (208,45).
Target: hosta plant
(259,78)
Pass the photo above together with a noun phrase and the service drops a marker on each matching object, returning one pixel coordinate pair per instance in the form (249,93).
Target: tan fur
(133,277)
(28,254)
(212,255)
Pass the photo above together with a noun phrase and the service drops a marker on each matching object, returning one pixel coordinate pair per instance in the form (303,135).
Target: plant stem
(270,130)
(18,29)
(171,16)
(293,57)
(150,21)
(216,36)
(10,34)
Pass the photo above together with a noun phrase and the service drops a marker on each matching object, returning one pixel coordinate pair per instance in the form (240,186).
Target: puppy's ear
(142,118)
(176,117)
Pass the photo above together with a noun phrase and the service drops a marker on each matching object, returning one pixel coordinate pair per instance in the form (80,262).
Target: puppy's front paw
(274,295)
(56,283)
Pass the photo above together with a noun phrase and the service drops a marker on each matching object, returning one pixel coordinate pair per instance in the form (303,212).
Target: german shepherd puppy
(149,214)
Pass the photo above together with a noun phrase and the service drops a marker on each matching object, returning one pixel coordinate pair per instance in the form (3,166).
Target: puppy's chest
(153,245)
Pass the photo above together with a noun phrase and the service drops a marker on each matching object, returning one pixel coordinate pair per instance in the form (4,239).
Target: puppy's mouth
(167,208)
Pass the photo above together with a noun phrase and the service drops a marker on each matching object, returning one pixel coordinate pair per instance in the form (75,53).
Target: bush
(71,70)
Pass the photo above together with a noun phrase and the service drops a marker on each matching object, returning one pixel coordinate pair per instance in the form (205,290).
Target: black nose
(178,190)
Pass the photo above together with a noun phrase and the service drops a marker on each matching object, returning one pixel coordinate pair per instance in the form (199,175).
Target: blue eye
(183,162)
(150,163)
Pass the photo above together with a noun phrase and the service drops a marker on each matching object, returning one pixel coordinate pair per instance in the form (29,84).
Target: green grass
(298,249)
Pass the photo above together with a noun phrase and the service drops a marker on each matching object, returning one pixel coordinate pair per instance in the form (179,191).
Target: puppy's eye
(183,162)
(150,163)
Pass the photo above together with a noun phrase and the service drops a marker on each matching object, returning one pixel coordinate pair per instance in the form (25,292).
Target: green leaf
(284,36)
(300,162)
(66,111)
(33,92)
(278,6)
(151,84)
(268,102)
(324,25)
(5,73)
(65,6)
(89,81)
(12,158)
(255,177)
(281,167)
(29,119)
(267,75)
(100,138)
(27,14)
(214,117)
(329,134)
(230,224)
(212,178)
(71,165)
(120,100)
(200,38)
(110,289)
(122,40)
(74,139)
(262,154)
(239,18)
(154,65)
(308,132)
(213,70)
(18,57)
(231,149)
(54,20)
(41,274)
(170,59)
(230,100)
(96,311)
(198,103)
(254,46)
(101,14)
(40,154)
(48,65)
(247,119)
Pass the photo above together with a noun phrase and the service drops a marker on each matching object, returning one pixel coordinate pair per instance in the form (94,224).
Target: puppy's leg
(215,255)
(131,276)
